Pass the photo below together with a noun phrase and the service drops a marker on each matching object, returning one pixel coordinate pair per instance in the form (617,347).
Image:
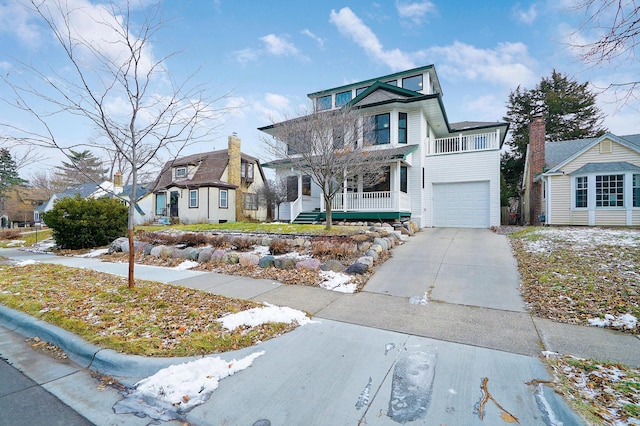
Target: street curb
(87,355)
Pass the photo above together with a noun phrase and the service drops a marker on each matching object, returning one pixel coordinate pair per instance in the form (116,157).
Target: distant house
(592,181)
(440,174)
(211,187)
(18,204)
(85,190)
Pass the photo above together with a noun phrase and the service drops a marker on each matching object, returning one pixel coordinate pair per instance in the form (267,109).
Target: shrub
(333,248)
(279,246)
(84,223)
(9,234)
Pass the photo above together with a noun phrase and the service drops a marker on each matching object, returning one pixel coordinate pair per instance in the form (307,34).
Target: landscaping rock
(157,251)
(364,246)
(266,241)
(357,268)
(405,231)
(372,253)
(205,254)
(116,245)
(377,248)
(332,265)
(147,249)
(230,258)
(266,261)
(193,253)
(382,242)
(313,264)
(366,260)
(298,242)
(248,259)
(216,256)
(284,263)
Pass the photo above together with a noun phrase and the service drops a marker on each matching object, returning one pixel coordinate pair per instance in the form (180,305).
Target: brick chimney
(536,166)
(233,172)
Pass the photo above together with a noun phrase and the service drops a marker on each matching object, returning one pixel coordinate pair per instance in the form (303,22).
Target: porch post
(396,188)
(344,191)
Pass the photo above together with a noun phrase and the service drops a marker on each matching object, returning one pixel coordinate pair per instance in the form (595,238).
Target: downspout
(208,204)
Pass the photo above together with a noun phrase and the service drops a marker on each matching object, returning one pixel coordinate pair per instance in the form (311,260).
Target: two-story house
(441,174)
(211,187)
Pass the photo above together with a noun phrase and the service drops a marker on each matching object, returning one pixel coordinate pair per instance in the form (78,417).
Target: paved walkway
(475,325)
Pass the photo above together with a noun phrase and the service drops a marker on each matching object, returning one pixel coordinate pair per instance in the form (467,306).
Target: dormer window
(181,172)
(323,103)
(343,98)
(360,90)
(246,171)
(413,83)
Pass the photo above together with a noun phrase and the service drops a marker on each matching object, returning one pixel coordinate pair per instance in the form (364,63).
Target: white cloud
(352,27)
(16,19)
(507,64)
(311,35)
(278,46)
(247,55)
(416,12)
(525,16)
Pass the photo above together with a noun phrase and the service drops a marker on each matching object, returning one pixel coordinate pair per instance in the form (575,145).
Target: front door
(173,203)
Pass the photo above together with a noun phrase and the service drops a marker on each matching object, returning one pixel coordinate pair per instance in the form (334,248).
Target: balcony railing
(465,143)
(369,201)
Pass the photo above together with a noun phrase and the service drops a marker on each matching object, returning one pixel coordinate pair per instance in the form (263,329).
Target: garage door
(461,205)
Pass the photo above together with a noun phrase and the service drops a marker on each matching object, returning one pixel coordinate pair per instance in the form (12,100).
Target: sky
(261,59)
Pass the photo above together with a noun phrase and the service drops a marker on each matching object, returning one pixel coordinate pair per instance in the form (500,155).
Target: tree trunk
(132,258)
(327,203)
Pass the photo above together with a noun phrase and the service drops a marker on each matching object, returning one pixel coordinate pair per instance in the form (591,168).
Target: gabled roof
(211,166)
(614,166)
(84,190)
(559,153)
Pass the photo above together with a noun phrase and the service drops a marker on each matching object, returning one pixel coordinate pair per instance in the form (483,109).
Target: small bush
(84,223)
(241,243)
(333,248)
(217,241)
(9,234)
(279,246)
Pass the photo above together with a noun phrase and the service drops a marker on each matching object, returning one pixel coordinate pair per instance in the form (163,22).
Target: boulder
(216,255)
(193,253)
(266,241)
(298,242)
(157,251)
(332,265)
(147,249)
(377,248)
(364,246)
(373,254)
(382,242)
(248,259)
(205,254)
(266,261)
(116,245)
(230,258)
(366,260)
(313,264)
(284,263)
(405,231)
(357,268)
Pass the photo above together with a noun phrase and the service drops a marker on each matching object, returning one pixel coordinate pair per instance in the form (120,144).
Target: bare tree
(332,147)
(616,24)
(273,192)
(112,81)
(46,182)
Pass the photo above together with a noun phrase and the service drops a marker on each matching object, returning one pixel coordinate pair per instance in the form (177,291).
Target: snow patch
(26,262)
(187,264)
(264,315)
(420,300)
(337,281)
(625,321)
(95,253)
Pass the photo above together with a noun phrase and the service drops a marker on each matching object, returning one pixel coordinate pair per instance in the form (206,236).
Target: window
(360,90)
(306,185)
(292,188)
(193,198)
(223,201)
(379,131)
(402,127)
(636,190)
(250,201)
(610,191)
(181,172)
(392,82)
(323,103)
(413,83)
(161,204)
(246,171)
(403,179)
(581,191)
(383,183)
(343,98)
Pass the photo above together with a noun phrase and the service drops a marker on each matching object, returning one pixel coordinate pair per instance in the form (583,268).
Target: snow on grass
(14,243)
(187,264)
(263,315)
(548,239)
(26,262)
(95,253)
(337,281)
(176,389)
(626,321)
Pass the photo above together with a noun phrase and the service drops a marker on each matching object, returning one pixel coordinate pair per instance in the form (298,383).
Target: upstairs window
(343,98)
(181,172)
(402,127)
(360,90)
(610,191)
(392,82)
(636,190)
(323,103)
(379,131)
(412,83)
(246,171)
(581,192)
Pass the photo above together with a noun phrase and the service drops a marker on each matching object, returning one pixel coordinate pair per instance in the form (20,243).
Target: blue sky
(269,55)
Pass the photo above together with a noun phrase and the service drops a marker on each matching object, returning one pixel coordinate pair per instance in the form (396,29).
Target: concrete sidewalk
(475,325)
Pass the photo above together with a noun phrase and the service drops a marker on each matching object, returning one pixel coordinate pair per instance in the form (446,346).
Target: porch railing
(369,201)
(465,143)
(295,208)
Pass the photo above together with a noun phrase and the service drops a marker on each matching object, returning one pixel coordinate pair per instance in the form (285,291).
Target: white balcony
(465,143)
(377,201)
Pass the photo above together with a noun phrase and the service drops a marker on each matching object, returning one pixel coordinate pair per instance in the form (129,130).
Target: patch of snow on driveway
(263,315)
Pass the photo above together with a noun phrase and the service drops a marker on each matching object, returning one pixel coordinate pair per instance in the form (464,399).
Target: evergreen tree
(8,173)
(569,110)
(83,167)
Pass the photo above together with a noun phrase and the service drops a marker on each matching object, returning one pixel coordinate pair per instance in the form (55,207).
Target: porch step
(307,218)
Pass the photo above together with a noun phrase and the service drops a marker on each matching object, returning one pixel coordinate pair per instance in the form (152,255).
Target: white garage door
(461,205)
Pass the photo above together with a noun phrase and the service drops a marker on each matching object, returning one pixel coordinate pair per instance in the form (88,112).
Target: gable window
(161,204)
(223,199)
(636,190)
(193,198)
(412,83)
(610,191)
(403,179)
(343,98)
(323,103)
(250,201)
(246,171)
(181,172)
(392,82)
(379,133)
(360,90)
(402,127)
